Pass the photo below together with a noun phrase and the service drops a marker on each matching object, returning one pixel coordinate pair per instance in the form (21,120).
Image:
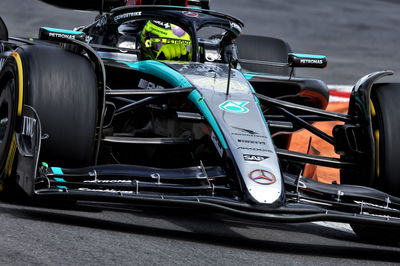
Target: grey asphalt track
(358,36)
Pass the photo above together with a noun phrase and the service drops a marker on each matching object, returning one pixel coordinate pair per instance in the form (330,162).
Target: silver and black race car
(83,117)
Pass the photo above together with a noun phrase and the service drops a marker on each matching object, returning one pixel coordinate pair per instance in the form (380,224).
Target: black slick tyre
(62,88)
(385,98)
(385,115)
(8,117)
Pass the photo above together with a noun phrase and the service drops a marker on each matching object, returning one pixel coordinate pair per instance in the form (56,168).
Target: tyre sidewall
(386,99)
(7,152)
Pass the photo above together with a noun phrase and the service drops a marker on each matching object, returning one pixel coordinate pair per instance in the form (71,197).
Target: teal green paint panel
(237,107)
(197,99)
(313,56)
(57,170)
(58,179)
(248,76)
(63,31)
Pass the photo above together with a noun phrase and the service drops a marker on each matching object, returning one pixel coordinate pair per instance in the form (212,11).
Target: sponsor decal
(237,107)
(212,56)
(311,61)
(248,131)
(251,142)
(262,177)
(107,190)
(177,41)
(61,35)
(165,25)
(255,149)
(127,15)
(147,85)
(190,14)
(254,158)
(168,41)
(217,144)
(220,83)
(28,126)
(206,68)
(109,181)
(249,135)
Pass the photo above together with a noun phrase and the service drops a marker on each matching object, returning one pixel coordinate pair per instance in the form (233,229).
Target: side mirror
(307,60)
(53,34)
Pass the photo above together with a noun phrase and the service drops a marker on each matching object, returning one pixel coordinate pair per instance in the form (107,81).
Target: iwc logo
(237,107)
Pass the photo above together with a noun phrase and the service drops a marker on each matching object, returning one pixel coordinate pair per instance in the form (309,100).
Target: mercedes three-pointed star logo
(262,177)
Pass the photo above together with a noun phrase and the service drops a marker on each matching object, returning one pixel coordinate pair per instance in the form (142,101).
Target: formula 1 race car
(85,117)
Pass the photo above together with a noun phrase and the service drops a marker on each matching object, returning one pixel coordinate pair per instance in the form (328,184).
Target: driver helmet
(156,34)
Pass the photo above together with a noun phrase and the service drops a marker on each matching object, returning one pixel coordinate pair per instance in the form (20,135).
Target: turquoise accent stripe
(63,31)
(57,170)
(160,70)
(198,100)
(58,179)
(313,56)
(248,76)
(257,101)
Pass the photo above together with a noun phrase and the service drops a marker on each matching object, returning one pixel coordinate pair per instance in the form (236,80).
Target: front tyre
(386,125)
(10,110)
(385,99)
(62,87)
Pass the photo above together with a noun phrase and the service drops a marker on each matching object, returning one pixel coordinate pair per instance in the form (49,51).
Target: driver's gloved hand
(171,51)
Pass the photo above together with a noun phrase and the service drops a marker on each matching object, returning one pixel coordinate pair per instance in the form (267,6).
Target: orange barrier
(300,141)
